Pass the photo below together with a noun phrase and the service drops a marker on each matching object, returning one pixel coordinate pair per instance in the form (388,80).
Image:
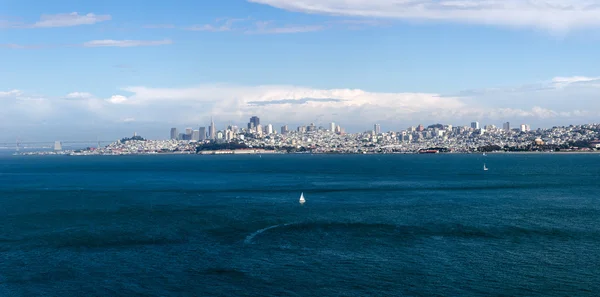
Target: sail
(302,200)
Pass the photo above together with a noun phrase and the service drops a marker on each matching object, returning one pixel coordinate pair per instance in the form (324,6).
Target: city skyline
(81,70)
(254,126)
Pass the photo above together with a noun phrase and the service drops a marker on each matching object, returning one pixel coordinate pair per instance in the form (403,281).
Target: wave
(250,237)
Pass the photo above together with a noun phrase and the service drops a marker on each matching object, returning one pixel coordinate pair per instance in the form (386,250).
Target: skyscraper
(254,122)
(213,130)
(506,126)
(259,130)
(202,133)
(332,127)
(284,129)
(475,125)
(269,129)
(174,133)
(377,129)
(196,135)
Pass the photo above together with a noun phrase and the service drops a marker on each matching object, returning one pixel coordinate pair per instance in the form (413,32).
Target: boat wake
(250,237)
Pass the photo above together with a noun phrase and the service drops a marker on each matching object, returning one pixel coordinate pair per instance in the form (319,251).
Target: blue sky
(71,68)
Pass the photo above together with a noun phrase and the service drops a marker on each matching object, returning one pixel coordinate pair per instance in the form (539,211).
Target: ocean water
(373,225)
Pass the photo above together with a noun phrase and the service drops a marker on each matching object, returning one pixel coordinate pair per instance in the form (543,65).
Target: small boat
(485,167)
(484,154)
(302,200)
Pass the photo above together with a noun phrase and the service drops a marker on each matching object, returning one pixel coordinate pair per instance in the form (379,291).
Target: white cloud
(94,43)
(11,93)
(19,46)
(143,107)
(561,82)
(79,95)
(117,99)
(220,25)
(268,27)
(555,15)
(68,20)
(259,27)
(125,43)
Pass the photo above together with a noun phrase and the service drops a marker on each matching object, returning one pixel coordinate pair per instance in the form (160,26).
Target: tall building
(202,133)
(259,130)
(475,125)
(174,133)
(332,127)
(269,129)
(284,130)
(420,128)
(188,132)
(196,135)
(213,130)
(525,128)
(377,129)
(254,122)
(506,126)
(311,128)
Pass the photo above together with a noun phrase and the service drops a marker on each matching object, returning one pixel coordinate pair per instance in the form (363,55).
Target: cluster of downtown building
(453,138)
(254,127)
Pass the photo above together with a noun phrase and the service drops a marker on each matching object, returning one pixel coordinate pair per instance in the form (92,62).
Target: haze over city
(108,69)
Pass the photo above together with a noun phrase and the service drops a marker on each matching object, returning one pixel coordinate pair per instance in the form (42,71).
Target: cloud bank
(555,15)
(152,111)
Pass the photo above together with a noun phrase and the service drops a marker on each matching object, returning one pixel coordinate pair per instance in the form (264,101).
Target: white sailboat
(485,167)
(302,200)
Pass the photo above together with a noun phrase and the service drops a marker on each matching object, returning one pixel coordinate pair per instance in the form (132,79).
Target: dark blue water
(373,225)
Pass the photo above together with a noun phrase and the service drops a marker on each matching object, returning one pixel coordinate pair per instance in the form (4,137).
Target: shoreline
(233,152)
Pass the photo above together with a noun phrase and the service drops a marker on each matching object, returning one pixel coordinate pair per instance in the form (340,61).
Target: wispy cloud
(125,43)
(59,20)
(554,15)
(246,25)
(22,46)
(220,25)
(10,93)
(269,27)
(208,28)
(91,44)
(358,24)
(79,95)
(69,20)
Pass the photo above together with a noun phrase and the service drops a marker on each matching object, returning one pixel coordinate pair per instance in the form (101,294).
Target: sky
(83,70)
